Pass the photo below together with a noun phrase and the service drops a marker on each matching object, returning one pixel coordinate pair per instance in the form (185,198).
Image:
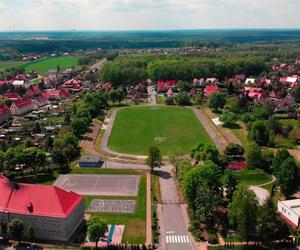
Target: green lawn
(172,129)
(103,171)
(10,64)
(43,65)
(252,177)
(135,224)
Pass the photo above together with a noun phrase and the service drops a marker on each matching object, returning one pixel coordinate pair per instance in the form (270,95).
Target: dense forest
(40,42)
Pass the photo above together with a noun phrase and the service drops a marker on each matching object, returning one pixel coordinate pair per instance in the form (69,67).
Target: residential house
(21,83)
(107,86)
(55,94)
(5,114)
(164,86)
(250,81)
(210,90)
(52,213)
(140,87)
(11,96)
(40,101)
(21,106)
(255,93)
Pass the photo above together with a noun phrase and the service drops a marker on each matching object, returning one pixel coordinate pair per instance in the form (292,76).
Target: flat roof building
(289,210)
(94,161)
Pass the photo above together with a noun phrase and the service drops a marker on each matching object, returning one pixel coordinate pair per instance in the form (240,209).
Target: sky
(147,14)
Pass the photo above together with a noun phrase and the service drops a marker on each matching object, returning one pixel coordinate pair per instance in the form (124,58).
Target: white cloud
(148,14)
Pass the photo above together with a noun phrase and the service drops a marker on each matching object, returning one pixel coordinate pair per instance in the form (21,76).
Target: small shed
(90,161)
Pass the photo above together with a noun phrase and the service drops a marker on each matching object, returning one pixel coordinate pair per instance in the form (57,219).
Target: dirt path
(98,64)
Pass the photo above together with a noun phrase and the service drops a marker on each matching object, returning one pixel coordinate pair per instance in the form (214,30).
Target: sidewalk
(149,212)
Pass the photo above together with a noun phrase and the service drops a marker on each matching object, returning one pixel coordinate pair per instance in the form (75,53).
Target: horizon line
(147,30)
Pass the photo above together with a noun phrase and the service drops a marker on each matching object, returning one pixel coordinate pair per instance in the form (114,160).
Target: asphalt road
(151,95)
(173,216)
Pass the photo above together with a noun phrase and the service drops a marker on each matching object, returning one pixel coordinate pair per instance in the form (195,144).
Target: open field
(43,65)
(172,129)
(10,64)
(252,177)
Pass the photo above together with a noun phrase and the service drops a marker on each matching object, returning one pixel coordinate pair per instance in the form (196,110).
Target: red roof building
(107,86)
(5,114)
(21,106)
(163,86)
(53,213)
(210,90)
(56,94)
(11,96)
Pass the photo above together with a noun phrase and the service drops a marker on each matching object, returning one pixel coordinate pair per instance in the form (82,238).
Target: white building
(289,210)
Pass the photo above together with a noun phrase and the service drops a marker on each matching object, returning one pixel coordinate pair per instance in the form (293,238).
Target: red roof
(11,96)
(162,85)
(22,102)
(55,92)
(107,86)
(211,89)
(4,109)
(39,200)
(237,165)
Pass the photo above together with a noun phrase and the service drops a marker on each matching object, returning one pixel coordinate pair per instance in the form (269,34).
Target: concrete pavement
(173,219)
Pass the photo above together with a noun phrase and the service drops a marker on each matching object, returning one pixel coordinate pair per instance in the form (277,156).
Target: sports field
(172,129)
(43,65)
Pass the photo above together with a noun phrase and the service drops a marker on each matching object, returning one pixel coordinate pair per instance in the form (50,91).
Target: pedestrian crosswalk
(173,239)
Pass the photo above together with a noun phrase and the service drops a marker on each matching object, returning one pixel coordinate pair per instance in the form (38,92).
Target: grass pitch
(172,129)
(43,65)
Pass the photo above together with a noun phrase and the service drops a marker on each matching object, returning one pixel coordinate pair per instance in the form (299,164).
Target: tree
(228,118)
(253,155)
(271,228)
(230,183)
(96,228)
(259,133)
(217,101)
(154,159)
(113,96)
(287,176)
(280,156)
(170,100)
(67,119)
(243,212)
(233,152)
(296,93)
(79,126)
(183,99)
(16,229)
(30,233)
(205,152)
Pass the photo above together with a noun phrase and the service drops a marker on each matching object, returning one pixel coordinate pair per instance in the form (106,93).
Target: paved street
(173,219)
(151,95)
